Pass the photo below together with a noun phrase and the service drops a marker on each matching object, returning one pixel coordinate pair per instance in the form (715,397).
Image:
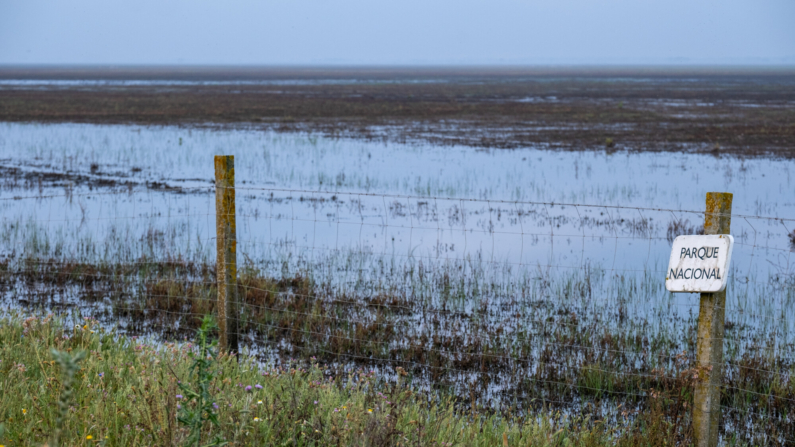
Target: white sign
(699,263)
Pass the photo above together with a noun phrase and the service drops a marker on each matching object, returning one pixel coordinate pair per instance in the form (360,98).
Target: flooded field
(515,279)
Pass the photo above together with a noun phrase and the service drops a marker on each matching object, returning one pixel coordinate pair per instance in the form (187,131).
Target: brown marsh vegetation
(719,111)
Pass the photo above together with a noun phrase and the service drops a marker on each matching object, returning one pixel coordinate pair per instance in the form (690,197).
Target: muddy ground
(739,111)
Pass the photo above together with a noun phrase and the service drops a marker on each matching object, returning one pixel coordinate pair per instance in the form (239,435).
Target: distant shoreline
(375,72)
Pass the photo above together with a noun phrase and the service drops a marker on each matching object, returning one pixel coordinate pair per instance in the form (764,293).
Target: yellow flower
(369,410)
(89,437)
(24,411)
(85,327)
(256,419)
(259,402)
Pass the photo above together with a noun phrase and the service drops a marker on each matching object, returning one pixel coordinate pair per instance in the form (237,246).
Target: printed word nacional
(698,273)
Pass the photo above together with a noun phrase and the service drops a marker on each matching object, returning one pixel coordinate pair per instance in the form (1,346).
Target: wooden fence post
(711,320)
(226,257)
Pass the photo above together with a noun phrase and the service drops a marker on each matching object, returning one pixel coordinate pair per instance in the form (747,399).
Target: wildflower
(259,402)
(248,388)
(89,437)
(179,396)
(86,327)
(179,407)
(215,405)
(369,410)
(258,386)
(101,374)
(24,411)
(256,419)
(315,402)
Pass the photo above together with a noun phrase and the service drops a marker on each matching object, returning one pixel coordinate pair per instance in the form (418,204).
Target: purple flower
(258,386)
(248,388)
(315,402)
(179,406)
(101,374)
(215,405)
(179,396)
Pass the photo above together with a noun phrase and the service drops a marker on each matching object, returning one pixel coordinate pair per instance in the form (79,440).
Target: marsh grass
(558,351)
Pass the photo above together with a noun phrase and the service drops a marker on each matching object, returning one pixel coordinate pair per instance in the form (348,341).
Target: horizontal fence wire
(328,286)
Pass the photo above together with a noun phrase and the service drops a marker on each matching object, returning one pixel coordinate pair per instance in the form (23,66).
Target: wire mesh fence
(514,307)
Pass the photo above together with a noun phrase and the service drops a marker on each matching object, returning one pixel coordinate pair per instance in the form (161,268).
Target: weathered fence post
(226,258)
(709,354)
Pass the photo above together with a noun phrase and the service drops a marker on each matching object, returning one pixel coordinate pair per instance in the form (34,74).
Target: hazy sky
(396,32)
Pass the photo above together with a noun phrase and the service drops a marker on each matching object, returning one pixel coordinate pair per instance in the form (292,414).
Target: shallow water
(341,208)
(560,203)
(45,84)
(359,217)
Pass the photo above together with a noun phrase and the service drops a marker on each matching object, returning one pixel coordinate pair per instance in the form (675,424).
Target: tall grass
(127,393)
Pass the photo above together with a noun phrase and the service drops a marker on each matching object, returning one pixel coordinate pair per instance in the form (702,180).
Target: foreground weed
(199,406)
(69,367)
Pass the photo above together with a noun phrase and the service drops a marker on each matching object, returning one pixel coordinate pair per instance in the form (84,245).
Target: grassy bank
(126,392)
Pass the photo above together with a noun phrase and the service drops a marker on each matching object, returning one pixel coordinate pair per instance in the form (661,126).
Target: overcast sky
(397,31)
